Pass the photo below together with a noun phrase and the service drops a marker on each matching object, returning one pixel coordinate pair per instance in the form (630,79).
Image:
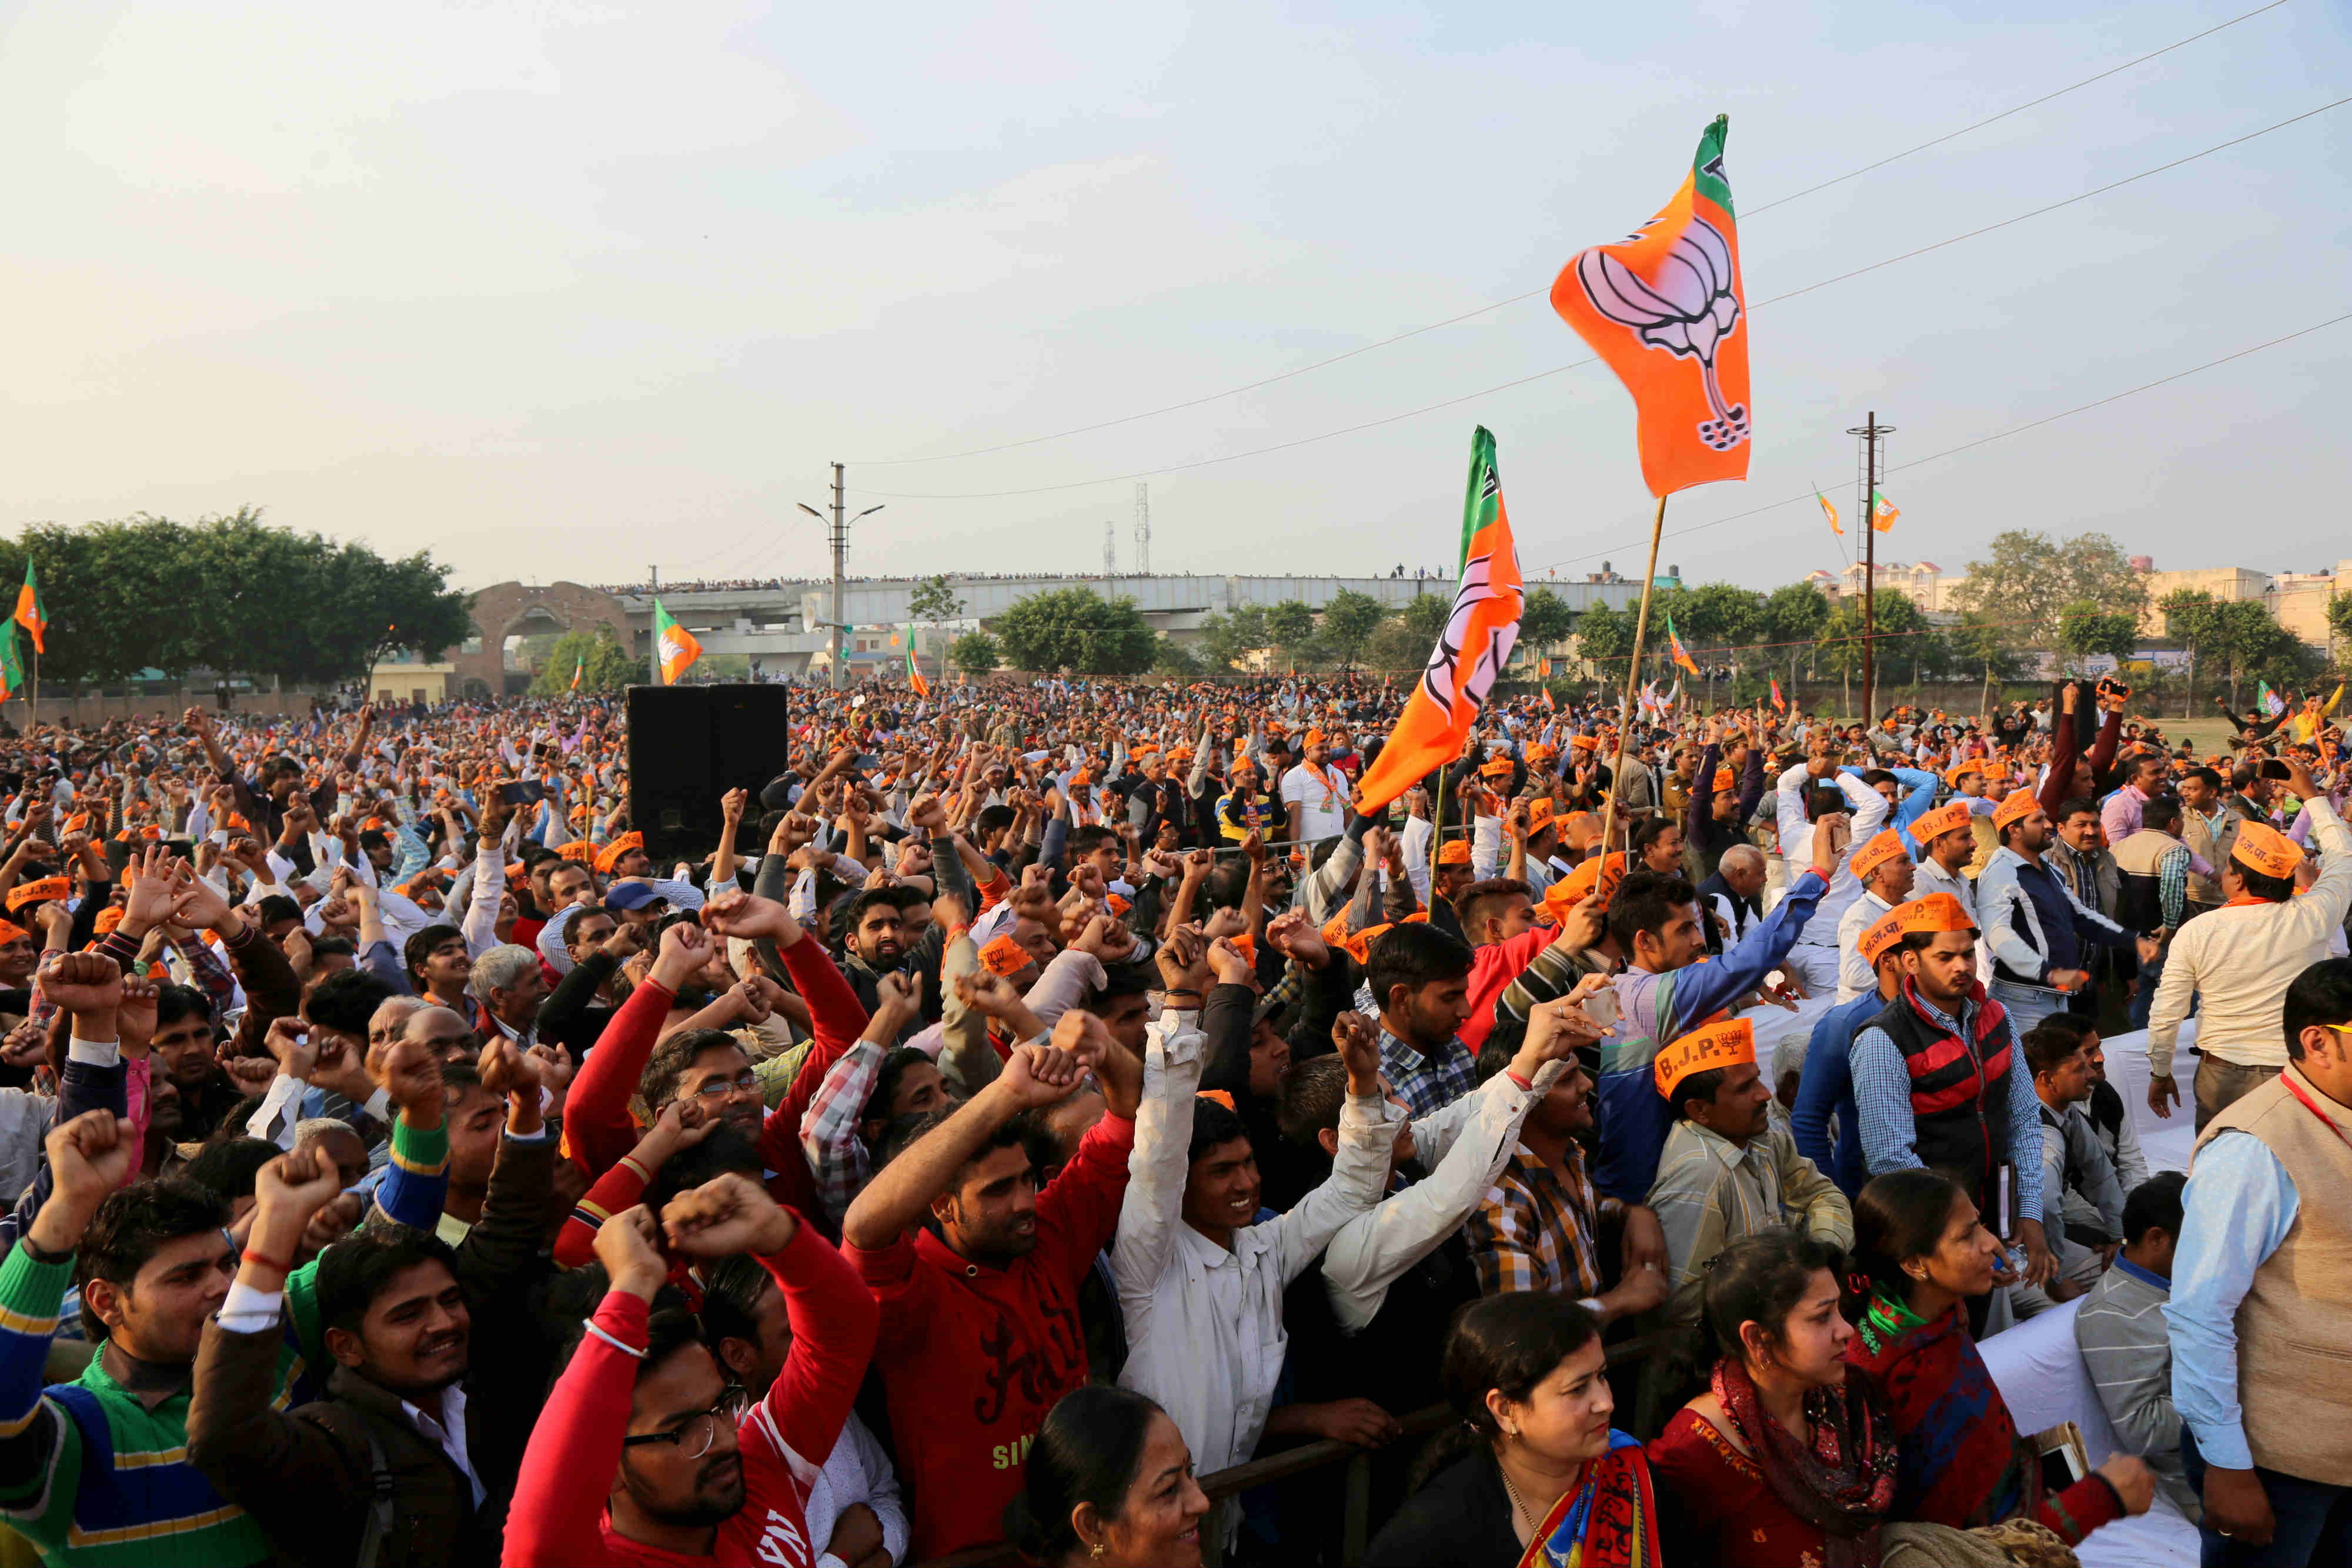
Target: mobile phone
(528,791)
(2273,769)
(2064,1459)
(2005,1200)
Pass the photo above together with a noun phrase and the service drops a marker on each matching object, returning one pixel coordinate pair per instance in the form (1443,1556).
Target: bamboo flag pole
(1632,682)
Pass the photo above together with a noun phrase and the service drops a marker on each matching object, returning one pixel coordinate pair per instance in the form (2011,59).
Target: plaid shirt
(837,1154)
(1427,1083)
(1533,1231)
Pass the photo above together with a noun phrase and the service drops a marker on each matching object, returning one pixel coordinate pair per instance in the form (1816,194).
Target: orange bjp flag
(1471,651)
(1664,307)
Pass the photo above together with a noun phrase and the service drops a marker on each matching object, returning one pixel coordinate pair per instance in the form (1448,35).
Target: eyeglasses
(694,1435)
(720,1087)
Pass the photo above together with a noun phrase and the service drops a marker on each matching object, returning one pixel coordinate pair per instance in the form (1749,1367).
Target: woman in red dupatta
(1789,1461)
(1533,1474)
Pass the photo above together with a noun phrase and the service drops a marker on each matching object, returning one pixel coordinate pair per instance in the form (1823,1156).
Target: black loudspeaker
(687,747)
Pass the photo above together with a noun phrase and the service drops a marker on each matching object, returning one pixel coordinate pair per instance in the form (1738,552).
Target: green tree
(2191,618)
(975,654)
(1545,619)
(2030,577)
(1395,646)
(1425,615)
(1604,636)
(1718,615)
(1348,622)
(231,593)
(2252,646)
(933,600)
(1903,643)
(1791,620)
(604,666)
(1227,639)
(1291,625)
(1076,628)
(2084,629)
(2339,620)
(1174,660)
(1976,643)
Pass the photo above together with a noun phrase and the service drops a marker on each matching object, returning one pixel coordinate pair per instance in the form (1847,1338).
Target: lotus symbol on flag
(1688,310)
(1438,677)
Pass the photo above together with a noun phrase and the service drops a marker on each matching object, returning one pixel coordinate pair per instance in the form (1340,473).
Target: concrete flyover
(783,624)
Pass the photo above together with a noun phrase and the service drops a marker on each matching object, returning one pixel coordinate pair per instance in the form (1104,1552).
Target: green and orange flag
(12,664)
(1664,307)
(675,644)
(914,670)
(1674,643)
(1471,651)
(1882,512)
(1830,512)
(31,614)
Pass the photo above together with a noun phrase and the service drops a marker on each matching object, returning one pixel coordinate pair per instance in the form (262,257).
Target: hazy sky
(565,290)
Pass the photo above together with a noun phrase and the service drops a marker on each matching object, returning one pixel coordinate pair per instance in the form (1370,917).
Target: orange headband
(1936,912)
(1884,850)
(1881,934)
(1725,1044)
(27,892)
(1580,883)
(2015,808)
(1003,956)
(1933,825)
(2266,849)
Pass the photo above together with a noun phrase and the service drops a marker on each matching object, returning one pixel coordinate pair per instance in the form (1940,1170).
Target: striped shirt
(1534,1231)
(2127,1348)
(88,1474)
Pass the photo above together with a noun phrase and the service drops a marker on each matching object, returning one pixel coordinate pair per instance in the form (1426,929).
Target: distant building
(1922,582)
(2298,600)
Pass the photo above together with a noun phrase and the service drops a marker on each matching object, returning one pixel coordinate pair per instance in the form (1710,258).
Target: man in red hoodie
(1500,922)
(980,1315)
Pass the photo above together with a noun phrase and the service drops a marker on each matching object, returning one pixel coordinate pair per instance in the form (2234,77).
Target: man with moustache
(411,1456)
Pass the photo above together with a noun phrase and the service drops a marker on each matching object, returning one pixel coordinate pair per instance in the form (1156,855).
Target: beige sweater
(2240,961)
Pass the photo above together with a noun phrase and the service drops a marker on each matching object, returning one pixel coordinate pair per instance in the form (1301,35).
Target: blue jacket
(1632,1116)
(1826,1089)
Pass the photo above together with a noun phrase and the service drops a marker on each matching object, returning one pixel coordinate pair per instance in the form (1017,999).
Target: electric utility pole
(838,536)
(1872,434)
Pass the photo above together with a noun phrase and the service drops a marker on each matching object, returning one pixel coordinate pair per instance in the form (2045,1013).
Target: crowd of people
(1045,1094)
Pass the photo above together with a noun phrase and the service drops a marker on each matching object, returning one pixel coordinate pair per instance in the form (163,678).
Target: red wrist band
(250,1256)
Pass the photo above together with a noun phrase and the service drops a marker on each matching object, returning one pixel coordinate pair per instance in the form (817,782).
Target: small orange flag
(31,614)
(1664,307)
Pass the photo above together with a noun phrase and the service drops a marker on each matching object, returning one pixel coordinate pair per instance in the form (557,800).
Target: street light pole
(838,536)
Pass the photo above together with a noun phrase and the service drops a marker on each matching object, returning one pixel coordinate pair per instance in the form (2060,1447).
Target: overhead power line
(1967,445)
(1594,360)
(1746,214)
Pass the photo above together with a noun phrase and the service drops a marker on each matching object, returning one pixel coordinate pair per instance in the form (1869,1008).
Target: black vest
(1959,1089)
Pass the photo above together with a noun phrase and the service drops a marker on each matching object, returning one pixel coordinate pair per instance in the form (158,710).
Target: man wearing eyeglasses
(646,1452)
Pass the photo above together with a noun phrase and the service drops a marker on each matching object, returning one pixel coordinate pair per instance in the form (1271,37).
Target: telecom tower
(1110,549)
(1142,527)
